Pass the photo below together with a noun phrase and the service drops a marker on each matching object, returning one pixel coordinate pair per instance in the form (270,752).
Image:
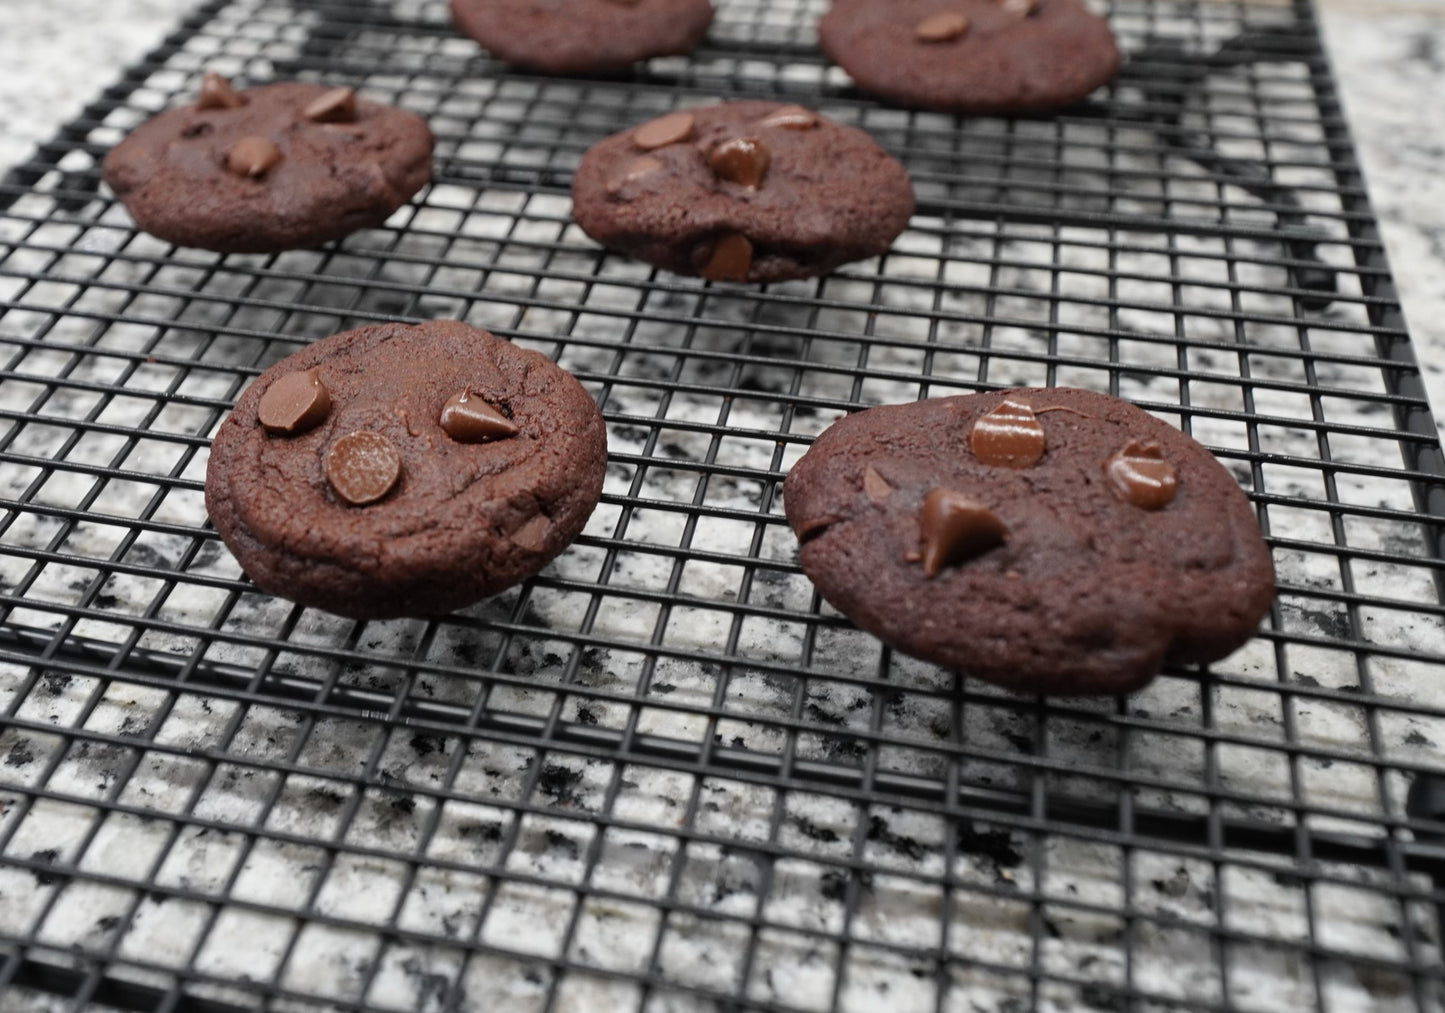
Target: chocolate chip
(956,528)
(643,165)
(466,418)
(875,485)
(252,157)
(335,106)
(1009,436)
(943,26)
(741,160)
(812,527)
(1023,8)
(731,259)
(294,404)
(532,536)
(1139,474)
(216,93)
(664,130)
(198,129)
(363,467)
(791,118)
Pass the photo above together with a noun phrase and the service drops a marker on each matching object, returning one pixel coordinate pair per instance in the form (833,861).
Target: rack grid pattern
(663,775)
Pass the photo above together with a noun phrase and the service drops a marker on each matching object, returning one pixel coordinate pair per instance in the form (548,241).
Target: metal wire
(663,775)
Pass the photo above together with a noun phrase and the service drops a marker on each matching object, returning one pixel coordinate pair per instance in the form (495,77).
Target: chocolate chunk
(252,157)
(1023,8)
(943,26)
(468,419)
(643,165)
(216,93)
(294,404)
(791,118)
(363,467)
(731,259)
(336,106)
(814,526)
(741,160)
(956,528)
(875,485)
(664,130)
(1141,475)
(1010,436)
(532,536)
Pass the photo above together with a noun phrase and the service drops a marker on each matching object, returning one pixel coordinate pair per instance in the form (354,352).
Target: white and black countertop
(1389,61)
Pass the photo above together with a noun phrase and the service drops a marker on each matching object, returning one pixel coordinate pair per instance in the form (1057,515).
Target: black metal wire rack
(662,775)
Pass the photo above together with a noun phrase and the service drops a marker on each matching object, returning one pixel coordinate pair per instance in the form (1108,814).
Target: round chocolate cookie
(742,191)
(270,168)
(396,470)
(971,55)
(582,36)
(1049,540)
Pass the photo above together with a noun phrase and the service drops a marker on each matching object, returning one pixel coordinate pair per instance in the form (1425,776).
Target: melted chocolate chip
(1023,8)
(466,418)
(216,93)
(252,157)
(335,106)
(664,130)
(294,404)
(791,118)
(944,26)
(875,485)
(742,160)
(814,526)
(731,259)
(1009,436)
(638,168)
(956,528)
(363,467)
(1140,474)
(532,535)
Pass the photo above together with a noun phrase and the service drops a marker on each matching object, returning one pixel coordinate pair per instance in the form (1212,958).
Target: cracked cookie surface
(1049,540)
(405,470)
(277,167)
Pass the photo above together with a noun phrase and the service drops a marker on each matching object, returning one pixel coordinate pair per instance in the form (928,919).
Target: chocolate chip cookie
(742,191)
(397,470)
(583,36)
(270,168)
(1049,540)
(971,55)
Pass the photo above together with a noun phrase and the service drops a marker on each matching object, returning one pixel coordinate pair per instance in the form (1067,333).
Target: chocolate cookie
(743,191)
(396,470)
(1050,540)
(971,55)
(271,168)
(582,36)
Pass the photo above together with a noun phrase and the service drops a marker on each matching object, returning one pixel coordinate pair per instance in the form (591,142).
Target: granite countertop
(1388,54)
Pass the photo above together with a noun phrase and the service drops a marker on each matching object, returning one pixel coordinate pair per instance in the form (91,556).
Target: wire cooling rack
(663,775)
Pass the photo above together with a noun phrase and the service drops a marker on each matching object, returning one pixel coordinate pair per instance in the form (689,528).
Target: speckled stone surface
(278,807)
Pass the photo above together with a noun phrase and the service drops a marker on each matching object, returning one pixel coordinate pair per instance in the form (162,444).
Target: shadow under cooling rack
(663,775)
